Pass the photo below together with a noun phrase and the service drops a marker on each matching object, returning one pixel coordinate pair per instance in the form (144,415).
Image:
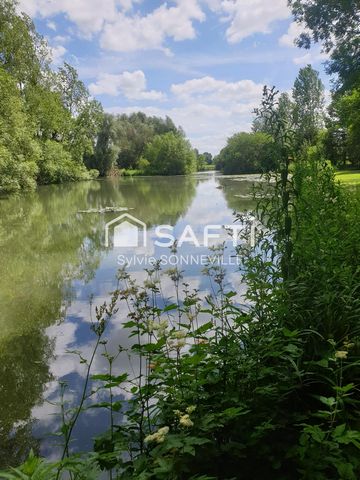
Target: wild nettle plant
(221,390)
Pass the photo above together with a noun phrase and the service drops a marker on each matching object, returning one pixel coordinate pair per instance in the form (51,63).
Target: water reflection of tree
(238,193)
(43,249)
(45,244)
(155,200)
(23,374)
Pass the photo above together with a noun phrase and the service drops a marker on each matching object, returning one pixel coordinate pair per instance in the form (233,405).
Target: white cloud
(88,15)
(51,25)
(61,39)
(219,90)
(57,54)
(130,84)
(124,29)
(247,17)
(208,109)
(121,29)
(311,57)
(128,4)
(314,55)
(294,30)
(129,33)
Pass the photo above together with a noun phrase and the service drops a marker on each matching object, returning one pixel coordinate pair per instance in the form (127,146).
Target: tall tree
(309,101)
(336,25)
(285,110)
(86,113)
(169,154)
(73,92)
(105,153)
(19,153)
(23,52)
(133,132)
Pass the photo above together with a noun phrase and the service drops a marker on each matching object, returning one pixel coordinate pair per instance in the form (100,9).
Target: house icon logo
(128,231)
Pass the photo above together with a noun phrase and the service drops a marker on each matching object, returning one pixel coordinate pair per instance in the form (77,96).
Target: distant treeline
(335,131)
(143,144)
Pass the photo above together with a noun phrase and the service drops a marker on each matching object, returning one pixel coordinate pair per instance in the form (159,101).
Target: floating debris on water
(106,210)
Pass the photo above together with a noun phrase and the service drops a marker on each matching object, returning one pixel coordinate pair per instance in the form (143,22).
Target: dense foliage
(134,132)
(51,130)
(145,145)
(336,26)
(246,153)
(221,391)
(169,154)
(48,122)
(303,114)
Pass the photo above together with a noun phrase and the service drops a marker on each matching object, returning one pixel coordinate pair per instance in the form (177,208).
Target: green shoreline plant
(224,391)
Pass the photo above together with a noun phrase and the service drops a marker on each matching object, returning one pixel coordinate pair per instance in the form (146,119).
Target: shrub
(57,166)
(246,153)
(169,154)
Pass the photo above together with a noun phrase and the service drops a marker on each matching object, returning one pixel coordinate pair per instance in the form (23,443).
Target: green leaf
(204,328)
(328,401)
(172,306)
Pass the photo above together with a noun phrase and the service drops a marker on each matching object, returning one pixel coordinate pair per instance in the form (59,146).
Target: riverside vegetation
(268,389)
(52,131)
(221,391)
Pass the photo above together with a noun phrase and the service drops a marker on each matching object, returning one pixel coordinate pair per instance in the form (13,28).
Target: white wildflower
(185,421)
(159,436)
(342,354)
(179,334)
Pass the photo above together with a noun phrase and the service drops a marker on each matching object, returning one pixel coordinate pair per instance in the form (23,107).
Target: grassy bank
(348,176)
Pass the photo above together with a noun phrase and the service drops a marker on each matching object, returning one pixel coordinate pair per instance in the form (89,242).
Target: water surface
(53,260)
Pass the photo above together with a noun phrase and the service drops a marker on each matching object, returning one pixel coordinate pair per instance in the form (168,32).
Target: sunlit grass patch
(348,176)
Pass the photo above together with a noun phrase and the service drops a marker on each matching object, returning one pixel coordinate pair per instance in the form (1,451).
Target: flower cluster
(184,418)
(177,340)
(159,436)
(341,354)
(158,327)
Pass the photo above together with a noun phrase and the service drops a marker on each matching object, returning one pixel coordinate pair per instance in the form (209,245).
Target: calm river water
(53,259)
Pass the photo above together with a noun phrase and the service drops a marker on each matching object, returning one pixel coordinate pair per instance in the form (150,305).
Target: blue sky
(202,62)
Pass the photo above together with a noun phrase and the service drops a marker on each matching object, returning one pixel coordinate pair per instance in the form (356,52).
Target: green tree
(336,26)
(169,154)
(106,152)
(133,132)
(51,119)
(246,153)
(84,130)
(19,153)
(23,52)
(48,122)
(308,94)
(284,110)
(73,92)
(86,113)
(348,107)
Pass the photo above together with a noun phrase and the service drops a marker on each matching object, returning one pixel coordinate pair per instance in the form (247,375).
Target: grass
(348,176)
